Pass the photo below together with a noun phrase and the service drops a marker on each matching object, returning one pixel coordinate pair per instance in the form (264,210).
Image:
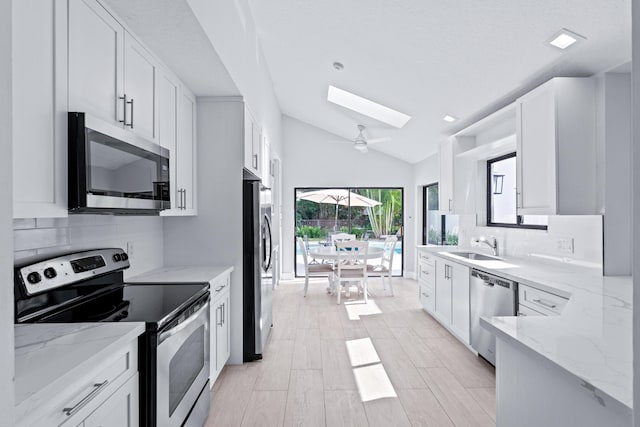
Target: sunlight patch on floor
(355,309)
(361,352)
(373,383)
(371,378)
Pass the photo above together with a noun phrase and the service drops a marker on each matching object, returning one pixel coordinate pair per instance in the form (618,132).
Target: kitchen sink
(475,256)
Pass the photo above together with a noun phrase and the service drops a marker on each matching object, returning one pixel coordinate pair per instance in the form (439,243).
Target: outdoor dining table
(330,253)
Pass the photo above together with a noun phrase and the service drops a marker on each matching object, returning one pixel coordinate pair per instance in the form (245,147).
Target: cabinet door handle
(219,322)
(124,109)
(224,313)
(131,123)
(450,200)
(93,393)
(518,199)
(545,303)
(184,206)
(255,161)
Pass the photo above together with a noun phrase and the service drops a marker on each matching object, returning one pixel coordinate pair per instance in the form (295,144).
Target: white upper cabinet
(177,132)
(168,88)
(267,169)
(186,152)
(252,144)
(451,200)
(39,81)
(556,158)
(96,62)
(111,75)
(445,186)
(140,71)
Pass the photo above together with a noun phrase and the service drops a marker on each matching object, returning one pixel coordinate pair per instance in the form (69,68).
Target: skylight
(368,108)
(564,38)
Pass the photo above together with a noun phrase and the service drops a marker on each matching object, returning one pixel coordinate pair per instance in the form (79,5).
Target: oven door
(182,367)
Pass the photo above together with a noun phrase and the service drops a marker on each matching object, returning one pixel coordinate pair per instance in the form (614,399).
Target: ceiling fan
(360,142)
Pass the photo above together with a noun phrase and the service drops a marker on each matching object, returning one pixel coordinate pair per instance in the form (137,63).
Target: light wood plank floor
(386,363)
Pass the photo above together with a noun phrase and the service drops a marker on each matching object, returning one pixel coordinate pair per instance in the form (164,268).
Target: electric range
(173,360)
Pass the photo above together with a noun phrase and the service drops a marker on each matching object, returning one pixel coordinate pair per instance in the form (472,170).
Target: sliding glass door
(367,213)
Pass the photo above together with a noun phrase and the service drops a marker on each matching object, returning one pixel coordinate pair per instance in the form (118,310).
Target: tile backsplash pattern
(585,230)
(37,237)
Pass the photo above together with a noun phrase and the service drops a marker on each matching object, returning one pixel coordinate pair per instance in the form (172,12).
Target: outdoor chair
(386,263)
(312,269)
(349,268)
(342,237)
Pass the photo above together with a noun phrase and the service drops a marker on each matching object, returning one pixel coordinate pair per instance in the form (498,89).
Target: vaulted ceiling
(428,58)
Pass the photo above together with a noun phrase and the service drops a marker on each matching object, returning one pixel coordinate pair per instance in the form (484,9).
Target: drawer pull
(219,288)
(93,393)
(545,303)
(425,295)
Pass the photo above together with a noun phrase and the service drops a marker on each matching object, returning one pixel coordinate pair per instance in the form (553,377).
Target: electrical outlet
(130,249)
(565,244)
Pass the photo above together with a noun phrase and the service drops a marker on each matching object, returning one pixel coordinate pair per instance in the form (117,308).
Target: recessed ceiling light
(338,66)
(564,38)
(368,108)
(449,118)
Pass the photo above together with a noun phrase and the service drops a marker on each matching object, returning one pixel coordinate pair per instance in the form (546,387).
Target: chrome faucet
(490,241)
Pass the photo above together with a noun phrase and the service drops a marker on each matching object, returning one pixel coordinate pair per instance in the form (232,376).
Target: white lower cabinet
(120,409)
(460,308)
(105,395)
(444,293)
(220,337)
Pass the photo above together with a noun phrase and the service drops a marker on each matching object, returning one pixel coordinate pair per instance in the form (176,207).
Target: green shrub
(310,231)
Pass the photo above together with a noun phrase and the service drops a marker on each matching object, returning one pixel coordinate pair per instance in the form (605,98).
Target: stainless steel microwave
(111,170)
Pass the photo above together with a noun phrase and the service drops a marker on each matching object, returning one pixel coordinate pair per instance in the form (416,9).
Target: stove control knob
(34,277)
(117,257)
(124,256)
(50,272)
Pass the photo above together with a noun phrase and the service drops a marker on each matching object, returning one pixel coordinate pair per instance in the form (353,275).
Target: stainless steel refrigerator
(257,266)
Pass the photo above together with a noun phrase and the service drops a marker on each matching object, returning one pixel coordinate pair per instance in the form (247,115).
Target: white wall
(635,192)
(232,31)
(214,237)
(311,160)
(6,248)
(425,172)
(618,166)
(40,237)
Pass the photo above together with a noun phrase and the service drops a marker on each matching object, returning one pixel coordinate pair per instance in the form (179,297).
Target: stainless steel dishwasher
(490,296)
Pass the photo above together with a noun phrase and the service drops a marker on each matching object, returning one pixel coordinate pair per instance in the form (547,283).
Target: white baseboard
(286,276)
(410,274)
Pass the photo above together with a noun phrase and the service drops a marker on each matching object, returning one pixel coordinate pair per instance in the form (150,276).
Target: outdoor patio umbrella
(338,197)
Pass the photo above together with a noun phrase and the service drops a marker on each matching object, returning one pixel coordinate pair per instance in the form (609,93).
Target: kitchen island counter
(591,339)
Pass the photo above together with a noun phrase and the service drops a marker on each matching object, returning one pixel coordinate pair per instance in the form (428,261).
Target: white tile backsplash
(584,230)
(53,236)
(35,238)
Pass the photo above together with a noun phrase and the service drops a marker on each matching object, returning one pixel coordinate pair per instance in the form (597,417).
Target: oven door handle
(171,332)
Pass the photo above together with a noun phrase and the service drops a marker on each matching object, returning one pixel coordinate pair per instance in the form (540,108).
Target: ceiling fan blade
(339,141)
(374,140)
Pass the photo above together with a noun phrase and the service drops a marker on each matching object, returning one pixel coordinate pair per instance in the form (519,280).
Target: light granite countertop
(591,339)
(181,274)
(50,356)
